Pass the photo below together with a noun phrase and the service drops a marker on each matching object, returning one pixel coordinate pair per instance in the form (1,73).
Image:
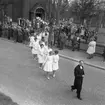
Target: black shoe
(72,88)
(79,98)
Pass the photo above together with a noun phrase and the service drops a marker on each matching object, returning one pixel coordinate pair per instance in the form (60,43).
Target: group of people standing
(47,58)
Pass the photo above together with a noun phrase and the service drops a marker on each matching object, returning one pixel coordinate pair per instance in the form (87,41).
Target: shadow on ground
(6,100)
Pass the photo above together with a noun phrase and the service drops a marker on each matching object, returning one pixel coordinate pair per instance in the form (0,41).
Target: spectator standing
(63,39)
(91,48)
(103,54)
(73,41)
(82,33)
(78,41)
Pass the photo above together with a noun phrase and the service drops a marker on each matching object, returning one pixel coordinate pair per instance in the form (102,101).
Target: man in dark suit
(79,74)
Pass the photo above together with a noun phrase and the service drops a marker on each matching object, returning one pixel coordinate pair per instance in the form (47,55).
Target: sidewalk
(96,62)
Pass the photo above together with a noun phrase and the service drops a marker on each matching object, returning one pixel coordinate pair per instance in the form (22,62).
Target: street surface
(21,79)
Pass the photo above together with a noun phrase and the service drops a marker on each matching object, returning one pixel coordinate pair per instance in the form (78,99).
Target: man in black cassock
(79,74)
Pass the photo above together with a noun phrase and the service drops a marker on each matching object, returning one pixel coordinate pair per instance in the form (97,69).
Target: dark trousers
(61,45)
(58,43)
(9,34)
(73,46)
(78,46)
(78,85)
(0,33)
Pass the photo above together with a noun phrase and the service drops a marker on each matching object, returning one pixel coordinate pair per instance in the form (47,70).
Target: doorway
(40,12)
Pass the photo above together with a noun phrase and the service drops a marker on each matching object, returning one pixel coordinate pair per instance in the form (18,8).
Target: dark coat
(63,37)
(78,73)
(74,40)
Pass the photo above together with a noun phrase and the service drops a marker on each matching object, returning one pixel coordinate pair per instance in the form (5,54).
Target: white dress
(49,50)
(41,55)
(82,32)
(48,64)
(55,62)
(92,47)
(39,37)
(35,47)
(31,41)
(45,51)
(46,37)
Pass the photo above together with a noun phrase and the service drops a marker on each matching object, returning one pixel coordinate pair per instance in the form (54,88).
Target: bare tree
(86,9)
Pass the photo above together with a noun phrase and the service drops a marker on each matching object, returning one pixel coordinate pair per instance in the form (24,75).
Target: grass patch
(6,100)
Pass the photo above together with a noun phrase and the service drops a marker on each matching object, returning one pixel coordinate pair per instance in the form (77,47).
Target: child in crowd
(47,66)
(41,55)
(31,40)
(55,62)
(35,46)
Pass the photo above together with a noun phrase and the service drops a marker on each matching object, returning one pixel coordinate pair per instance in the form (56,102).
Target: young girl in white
(35,46)
(55,62)
(41,55)
(31,40)
(39,37)
(47,66)
(45,50)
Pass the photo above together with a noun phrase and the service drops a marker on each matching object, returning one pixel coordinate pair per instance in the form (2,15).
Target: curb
(86,63)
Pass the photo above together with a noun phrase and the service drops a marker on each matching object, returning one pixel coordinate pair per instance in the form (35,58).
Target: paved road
(21,78)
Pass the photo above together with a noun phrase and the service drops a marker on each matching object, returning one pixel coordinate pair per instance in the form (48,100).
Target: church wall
(17,9)
(31,5)
(22,8)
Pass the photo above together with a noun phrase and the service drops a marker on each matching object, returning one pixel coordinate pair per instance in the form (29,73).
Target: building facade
(26,8)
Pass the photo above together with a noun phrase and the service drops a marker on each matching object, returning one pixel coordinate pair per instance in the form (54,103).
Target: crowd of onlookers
(63,34)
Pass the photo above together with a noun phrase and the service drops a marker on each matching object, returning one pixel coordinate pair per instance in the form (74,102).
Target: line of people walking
(48,59)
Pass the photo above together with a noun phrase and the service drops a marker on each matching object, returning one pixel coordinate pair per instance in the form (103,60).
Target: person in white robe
(47,66)
(39,36)
(55,62)
(35,46)
(31,41)
(46,36)
(41,55)
(91,48)
(46,51)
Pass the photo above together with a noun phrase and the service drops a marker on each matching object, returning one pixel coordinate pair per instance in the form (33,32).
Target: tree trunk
(100,18)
